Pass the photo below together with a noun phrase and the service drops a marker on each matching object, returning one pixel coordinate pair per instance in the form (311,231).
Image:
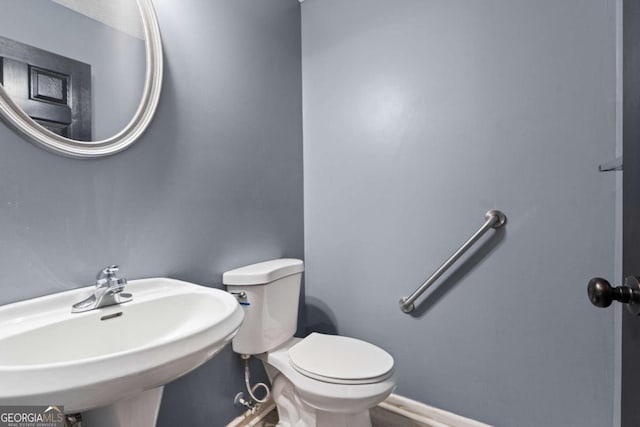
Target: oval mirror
(81,78)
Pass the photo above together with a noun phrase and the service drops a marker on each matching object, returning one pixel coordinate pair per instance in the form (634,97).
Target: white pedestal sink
(111,363)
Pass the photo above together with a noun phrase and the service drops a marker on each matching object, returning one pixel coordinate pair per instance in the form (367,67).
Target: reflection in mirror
(79,70)
(106,36)
(53,90)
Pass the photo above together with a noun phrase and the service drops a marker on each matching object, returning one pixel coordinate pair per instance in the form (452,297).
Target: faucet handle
(117,286)
(107,272)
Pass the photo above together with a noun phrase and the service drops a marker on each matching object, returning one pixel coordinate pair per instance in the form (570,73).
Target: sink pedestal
(137,411)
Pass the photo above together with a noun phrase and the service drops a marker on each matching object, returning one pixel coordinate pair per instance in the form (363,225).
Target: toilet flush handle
(241,296)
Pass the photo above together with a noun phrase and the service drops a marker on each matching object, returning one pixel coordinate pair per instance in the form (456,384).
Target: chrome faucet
(108,291)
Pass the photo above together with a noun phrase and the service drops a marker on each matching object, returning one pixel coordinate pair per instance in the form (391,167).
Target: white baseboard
(425,414)
(247,419)
(401,406)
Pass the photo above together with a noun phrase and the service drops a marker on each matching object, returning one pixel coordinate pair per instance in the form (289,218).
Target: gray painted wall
(419,116)
(214,183)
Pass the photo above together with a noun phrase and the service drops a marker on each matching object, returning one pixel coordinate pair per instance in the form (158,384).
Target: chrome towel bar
(493,219)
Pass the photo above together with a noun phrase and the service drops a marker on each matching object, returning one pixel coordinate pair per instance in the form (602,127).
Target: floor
(379,418)
(271,420)
(382,418)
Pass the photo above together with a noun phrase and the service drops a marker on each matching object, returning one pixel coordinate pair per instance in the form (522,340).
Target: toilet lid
(337,359)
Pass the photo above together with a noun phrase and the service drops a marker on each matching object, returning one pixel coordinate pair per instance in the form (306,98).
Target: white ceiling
(122,15)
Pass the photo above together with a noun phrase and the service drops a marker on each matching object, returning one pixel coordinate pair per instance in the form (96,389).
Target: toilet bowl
(317,381)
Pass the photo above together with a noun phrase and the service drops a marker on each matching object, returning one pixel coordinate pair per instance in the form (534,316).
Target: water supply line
(247,382)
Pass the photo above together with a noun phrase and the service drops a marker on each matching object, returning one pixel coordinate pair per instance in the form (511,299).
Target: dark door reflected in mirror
(53,90)
(77,67)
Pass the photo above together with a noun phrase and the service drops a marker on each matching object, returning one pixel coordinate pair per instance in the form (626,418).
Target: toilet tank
(272,290)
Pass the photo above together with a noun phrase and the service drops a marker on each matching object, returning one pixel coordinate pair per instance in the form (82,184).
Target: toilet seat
(340,360)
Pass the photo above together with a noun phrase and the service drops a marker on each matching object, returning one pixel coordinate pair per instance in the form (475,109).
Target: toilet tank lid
(263,272)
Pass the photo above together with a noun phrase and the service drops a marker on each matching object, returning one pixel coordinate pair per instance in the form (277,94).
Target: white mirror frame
(18,119)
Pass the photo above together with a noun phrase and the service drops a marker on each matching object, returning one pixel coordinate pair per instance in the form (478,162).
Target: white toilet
(321,380)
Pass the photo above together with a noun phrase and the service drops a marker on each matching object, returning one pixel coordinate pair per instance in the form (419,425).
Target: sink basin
(88,360)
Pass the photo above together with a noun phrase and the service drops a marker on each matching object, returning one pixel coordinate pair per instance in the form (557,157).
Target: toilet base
(293,412)
(306,402)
